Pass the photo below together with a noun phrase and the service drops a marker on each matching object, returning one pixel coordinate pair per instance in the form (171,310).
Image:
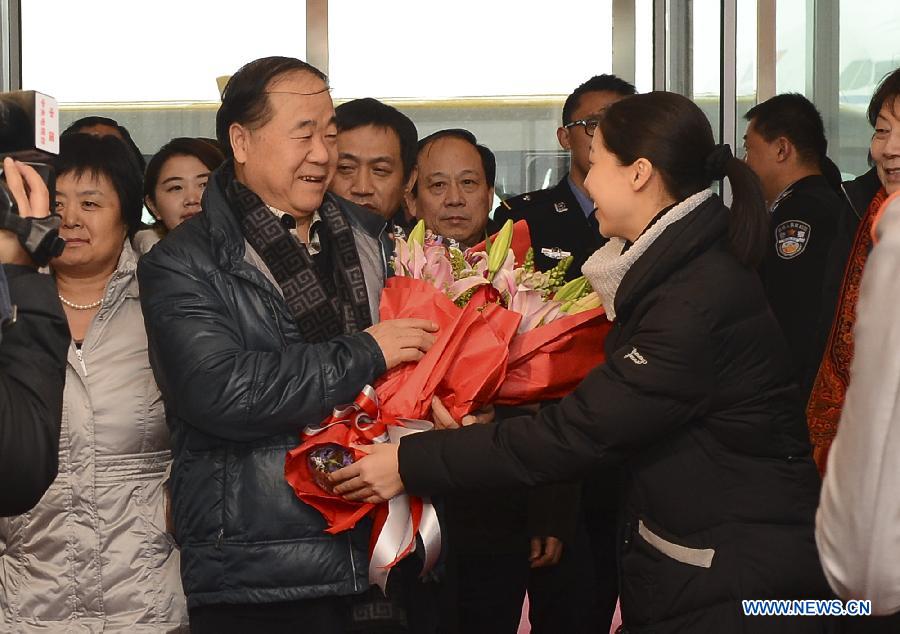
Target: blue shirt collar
(587,205)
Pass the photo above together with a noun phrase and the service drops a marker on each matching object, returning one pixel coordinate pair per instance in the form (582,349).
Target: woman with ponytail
(695,399)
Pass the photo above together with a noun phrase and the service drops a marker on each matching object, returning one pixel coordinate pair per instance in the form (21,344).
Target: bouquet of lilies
(539,297)
(557,318)
(501,326)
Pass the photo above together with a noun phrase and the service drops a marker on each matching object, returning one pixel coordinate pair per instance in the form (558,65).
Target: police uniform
(804,265)
(558,226)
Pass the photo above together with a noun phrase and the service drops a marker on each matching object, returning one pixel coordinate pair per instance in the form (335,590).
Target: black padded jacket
(697,402)
(239,383)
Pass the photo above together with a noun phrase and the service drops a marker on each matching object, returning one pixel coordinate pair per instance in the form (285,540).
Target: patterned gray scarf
(319,314)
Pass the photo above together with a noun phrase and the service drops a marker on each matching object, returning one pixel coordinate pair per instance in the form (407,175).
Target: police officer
(561,219)
(809,241)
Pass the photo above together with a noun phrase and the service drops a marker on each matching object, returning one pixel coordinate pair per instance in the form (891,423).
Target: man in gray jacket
(260,316)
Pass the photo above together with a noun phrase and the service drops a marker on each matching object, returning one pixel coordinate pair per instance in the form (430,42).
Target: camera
(29,132)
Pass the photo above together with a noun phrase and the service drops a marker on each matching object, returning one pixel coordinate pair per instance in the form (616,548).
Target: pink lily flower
(416,260)
(401,258)
(505,282)
(534,310)
(437,267)
(464,284)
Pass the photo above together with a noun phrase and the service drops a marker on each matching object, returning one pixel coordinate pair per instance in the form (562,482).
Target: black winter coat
(32,377)
(696,400)
(239,383)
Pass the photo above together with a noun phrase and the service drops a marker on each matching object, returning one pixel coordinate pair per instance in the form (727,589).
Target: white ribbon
(359,414)
(397,533)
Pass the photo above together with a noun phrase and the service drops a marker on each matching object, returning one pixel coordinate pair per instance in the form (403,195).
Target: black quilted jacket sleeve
(224,358)
(32,376)
(622,406)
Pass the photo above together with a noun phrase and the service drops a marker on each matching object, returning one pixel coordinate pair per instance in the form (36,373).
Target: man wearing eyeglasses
(561,219)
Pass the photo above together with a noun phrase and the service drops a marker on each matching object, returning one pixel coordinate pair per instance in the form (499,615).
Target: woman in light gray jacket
(94,554)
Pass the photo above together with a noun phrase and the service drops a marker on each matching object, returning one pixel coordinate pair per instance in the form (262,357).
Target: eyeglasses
(590,125)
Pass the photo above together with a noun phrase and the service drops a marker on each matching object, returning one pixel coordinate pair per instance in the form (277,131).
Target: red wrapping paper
(338,512)
(548,362)
(467,363)
(465,368)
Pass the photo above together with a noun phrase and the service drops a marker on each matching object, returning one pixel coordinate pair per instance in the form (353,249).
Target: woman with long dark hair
(695,398)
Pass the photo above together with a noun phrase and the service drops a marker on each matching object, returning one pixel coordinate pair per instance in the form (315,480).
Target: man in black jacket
(33,344)
(454,185)
(259,316)
(561,219)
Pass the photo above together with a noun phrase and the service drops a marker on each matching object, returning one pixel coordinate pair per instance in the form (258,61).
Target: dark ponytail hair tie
(717,162)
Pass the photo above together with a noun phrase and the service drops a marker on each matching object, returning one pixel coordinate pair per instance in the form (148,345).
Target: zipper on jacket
(219,538)
(384,255)
(850,202)
(79,354)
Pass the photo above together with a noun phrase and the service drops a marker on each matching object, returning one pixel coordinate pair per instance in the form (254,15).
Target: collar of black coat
(562,190)
(540,197)
(811,183)
(685,239)
(225,235)
(861,190)
(563,186)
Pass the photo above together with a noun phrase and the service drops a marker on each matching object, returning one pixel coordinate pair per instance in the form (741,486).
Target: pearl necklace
(80,306)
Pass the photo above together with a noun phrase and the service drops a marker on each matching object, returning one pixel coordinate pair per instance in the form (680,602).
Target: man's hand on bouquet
(545,551)
(32,199)
(373,479)
(403,340)
(444,420)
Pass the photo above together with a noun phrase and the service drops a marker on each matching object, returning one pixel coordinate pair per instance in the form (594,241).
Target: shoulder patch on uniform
(528,199)
(791,238)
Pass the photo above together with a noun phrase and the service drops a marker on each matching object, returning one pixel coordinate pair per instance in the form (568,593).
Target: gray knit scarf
(608,265)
